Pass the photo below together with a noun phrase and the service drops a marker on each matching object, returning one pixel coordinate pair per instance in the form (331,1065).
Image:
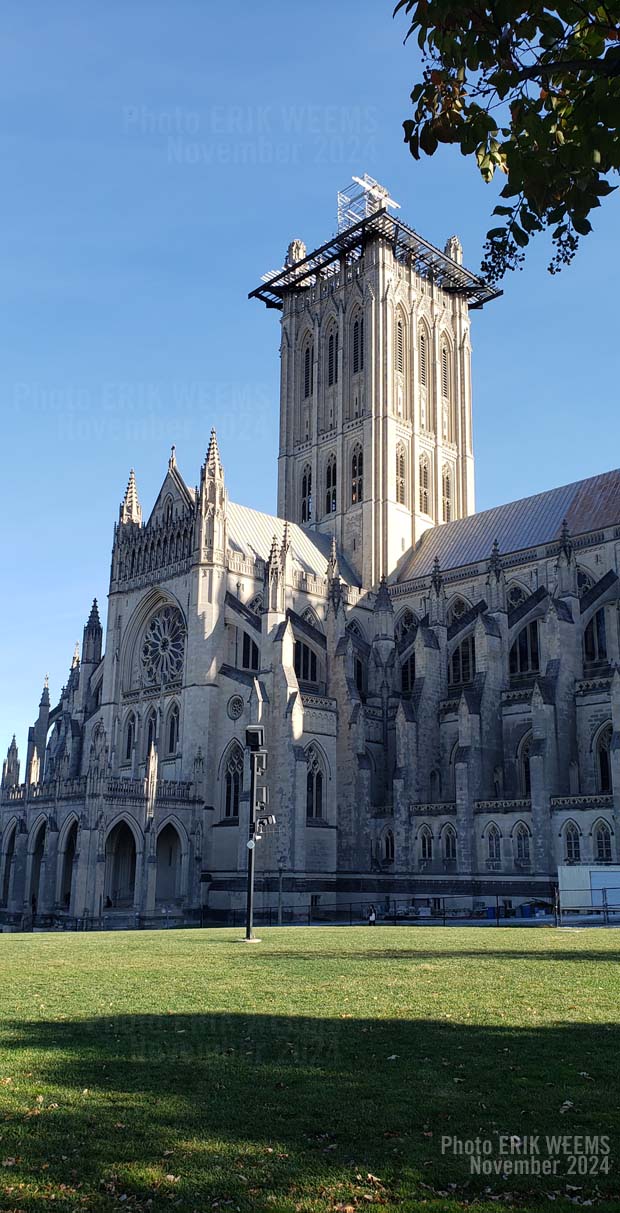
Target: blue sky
(157,159)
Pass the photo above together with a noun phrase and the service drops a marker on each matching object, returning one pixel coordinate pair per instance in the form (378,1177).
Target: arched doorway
(9,855)
(120,867)
(35,871)
(66,876)
(168,886)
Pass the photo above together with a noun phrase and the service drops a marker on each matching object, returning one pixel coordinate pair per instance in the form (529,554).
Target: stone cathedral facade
(440,689)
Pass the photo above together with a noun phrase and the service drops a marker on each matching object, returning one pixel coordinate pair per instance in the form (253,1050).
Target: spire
(93,637)
(93,619)
(131,510)
(275,551)
(10,766)
(45,694)
(76,656)
(383,602)
(213,463)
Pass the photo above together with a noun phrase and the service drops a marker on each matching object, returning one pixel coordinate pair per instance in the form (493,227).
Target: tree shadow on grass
(275,1112)
(604,956)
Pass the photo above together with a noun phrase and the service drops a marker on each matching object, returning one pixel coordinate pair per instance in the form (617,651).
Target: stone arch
(310,615)
(67,853)
(123,851)
(171,856)
(405,624)
(387,845)
(426,843)
(36,862)
(523,764)
(9,836)
(172,730)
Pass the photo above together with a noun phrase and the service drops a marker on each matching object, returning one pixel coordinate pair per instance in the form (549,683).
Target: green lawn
(315,1071)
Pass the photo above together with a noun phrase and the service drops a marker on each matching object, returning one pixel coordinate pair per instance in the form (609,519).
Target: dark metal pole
(249,909)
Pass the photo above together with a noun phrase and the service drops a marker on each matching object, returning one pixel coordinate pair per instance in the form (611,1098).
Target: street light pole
(249,909)
(280,876)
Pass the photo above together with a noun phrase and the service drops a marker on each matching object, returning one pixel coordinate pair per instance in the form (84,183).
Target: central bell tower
(375,387)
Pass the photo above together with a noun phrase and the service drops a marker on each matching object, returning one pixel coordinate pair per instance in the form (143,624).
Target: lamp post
(254,740)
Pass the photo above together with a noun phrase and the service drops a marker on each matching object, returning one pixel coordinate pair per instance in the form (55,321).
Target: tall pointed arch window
(401,474)
(357,475)
(423,360)
(407,675)
(446,494)
(603,760)
(406,623)
(445,371)
(233,781)
(173,729)
(330,485)
(494,844)
(462,665)
(314,785)
(130,737)
(425,481)
(388,847)
(522,844)
(151,732)
(426,844)
(358,345)
(595,639)
(332,358)
(525,770)
(306,494)
(524,655)
(602,843)
(400,346)
(572,843)
(308,371)
(449,844)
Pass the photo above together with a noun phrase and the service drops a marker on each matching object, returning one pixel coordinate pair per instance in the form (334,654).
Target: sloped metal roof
(251,533)
(587,505)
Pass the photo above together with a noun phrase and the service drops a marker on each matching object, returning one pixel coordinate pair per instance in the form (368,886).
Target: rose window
(163,646)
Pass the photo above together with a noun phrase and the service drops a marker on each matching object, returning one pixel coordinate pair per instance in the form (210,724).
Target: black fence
(452,910)
(566,907)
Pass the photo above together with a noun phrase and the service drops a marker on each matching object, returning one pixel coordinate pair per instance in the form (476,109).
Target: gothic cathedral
(439,689)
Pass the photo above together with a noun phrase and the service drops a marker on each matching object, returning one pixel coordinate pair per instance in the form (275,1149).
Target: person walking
(372,916)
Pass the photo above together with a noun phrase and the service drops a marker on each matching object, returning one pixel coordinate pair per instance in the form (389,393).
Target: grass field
(315,1071)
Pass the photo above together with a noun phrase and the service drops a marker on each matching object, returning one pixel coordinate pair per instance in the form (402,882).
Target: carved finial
(213,462)
(566,545)
(275,551)
(46,683)
(76,656)
(172,462)
(495,564)
(93,618)
(286,543)
(436,578)
(333,569)
(131,510)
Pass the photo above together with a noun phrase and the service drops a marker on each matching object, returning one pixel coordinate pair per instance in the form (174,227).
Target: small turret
(92,639)
(10,767)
